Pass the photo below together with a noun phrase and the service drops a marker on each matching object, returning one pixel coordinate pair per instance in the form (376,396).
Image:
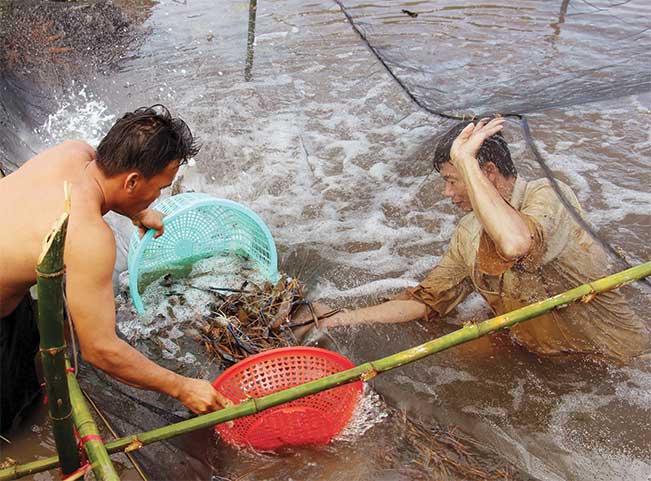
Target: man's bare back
(139,156)
(31,200)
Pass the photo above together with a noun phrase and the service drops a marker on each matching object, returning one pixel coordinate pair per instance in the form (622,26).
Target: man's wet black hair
(494,149)
(146,140)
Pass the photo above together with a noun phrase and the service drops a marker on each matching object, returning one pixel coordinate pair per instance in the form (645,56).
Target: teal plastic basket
(198,226)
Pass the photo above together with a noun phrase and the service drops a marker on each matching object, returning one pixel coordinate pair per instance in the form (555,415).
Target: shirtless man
(139,156)
(516,245)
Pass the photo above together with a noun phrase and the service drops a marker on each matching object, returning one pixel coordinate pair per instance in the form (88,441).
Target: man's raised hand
(467,144)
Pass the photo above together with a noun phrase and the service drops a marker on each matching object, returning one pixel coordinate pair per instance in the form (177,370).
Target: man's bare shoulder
(68,151)
(75,146)
(90,244)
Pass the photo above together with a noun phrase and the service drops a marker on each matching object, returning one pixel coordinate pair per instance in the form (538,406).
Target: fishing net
(455,61)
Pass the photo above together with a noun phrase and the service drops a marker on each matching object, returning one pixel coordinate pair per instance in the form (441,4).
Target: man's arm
(390,312)
(502,223)
(90,255)
(436,295)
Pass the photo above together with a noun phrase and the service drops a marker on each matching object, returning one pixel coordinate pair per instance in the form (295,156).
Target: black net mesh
(457,58)
(464,61)
(536,62)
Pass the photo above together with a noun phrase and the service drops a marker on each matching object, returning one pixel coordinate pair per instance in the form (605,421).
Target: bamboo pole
(93,445)
(250,40)
(49,280)
(584,293)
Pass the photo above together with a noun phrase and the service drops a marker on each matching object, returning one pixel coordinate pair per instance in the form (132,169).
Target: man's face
(148,190)
(455,188)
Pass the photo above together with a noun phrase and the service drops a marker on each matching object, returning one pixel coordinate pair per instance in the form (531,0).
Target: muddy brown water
(306,126)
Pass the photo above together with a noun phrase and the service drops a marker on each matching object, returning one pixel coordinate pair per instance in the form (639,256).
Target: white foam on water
(442,375)
(606,161)
(593,455)
(271,36)
(328,290)
(518,394)
(620,200)
(437,376)
(80,115)
(370,410)
(170,348)
(472,308)
(637,389)
(324,167)
(188,358)
(327,182)
(417,386)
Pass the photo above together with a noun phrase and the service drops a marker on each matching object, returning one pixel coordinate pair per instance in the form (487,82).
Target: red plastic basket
(314,419)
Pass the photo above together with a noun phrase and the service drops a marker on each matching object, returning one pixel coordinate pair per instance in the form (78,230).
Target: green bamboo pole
(95,449)
(364,372)
(49,280)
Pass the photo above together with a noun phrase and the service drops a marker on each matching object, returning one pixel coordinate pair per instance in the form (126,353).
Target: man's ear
(491,171)
(131,181)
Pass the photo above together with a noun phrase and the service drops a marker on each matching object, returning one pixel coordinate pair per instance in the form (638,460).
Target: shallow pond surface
(305,125)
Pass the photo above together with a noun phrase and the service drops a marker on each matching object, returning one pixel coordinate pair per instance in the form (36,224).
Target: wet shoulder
(67,155)
(542,190)
(80,147)
(74,147)
(75,153)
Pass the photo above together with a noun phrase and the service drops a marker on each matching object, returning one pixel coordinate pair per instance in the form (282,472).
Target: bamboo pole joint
(588,297)
(370,374)
(53,351)
(51,275)
(469,325)
(134,445)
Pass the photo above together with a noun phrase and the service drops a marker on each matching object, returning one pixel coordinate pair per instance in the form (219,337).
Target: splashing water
(187,298)
(370,411)
(80,116)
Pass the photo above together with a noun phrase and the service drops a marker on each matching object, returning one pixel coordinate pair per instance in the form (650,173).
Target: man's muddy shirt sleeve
(550,227)
(448,284)
(549,221)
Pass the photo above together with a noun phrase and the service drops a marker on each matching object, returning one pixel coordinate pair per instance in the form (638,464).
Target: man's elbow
(103,356)
(516,247)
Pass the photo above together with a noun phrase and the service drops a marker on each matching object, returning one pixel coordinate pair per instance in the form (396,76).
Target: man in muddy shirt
(139,156)
(517,245)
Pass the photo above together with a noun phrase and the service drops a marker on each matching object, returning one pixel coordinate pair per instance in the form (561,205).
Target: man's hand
(200,396)
(467,144)
(149,219)
(315,336)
